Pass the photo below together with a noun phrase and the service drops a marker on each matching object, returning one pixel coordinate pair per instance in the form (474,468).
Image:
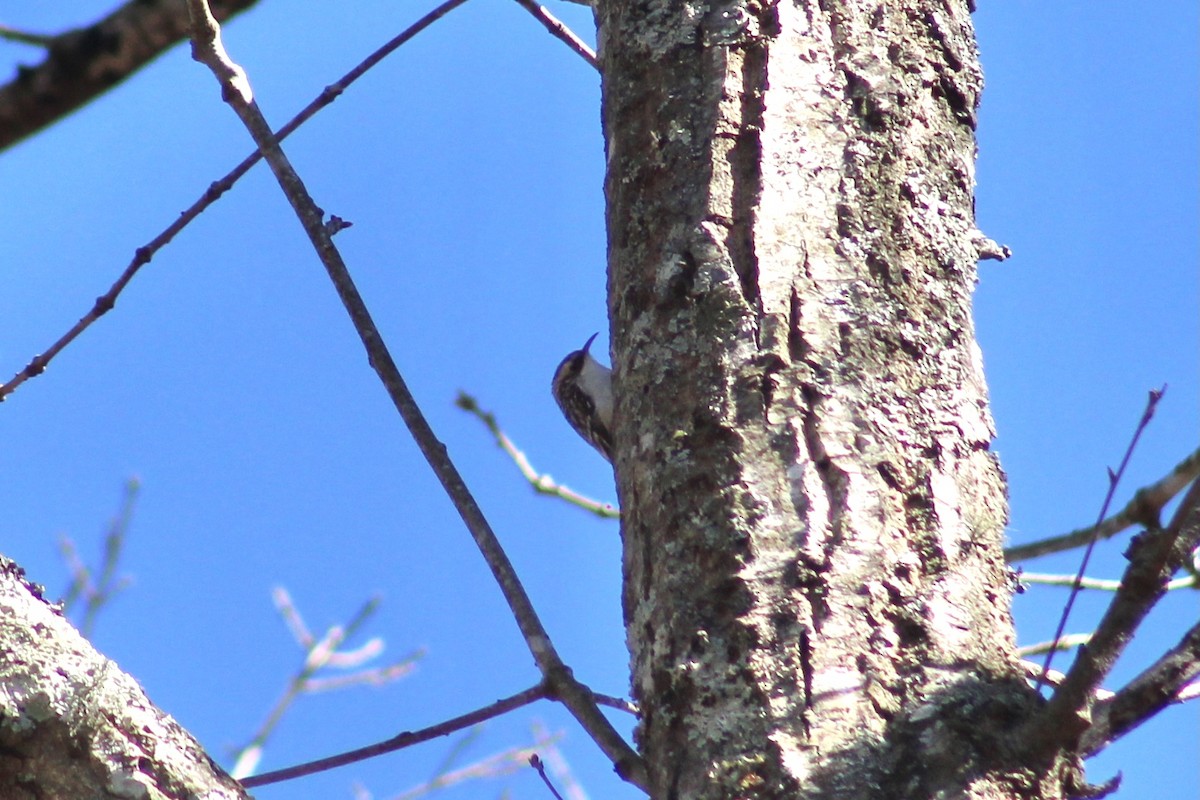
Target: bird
(582,386)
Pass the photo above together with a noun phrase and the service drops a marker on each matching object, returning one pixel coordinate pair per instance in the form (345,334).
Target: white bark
(73,725)
(816,600)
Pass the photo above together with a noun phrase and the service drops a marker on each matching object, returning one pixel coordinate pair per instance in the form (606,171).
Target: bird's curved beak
(591,339)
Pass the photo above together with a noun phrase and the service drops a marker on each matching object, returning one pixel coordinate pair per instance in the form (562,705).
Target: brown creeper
(583,389)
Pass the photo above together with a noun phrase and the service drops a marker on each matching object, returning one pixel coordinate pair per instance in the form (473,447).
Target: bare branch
(1114,479)
(11,34)
(83,63)
(1156,688)
(574,695)
(1101,584)
(553,758)
(98,588)
(403,740)
(505,762)
(142,256)
(542,484)
(1067,642)
(377,676)
(319,654)
(619,703)
(456,749)
(291,617)
(1033,671)
(537,764)
(1147,504)
(1154,556)
(559,30)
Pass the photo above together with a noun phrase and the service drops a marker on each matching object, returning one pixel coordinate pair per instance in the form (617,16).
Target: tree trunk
(815,596)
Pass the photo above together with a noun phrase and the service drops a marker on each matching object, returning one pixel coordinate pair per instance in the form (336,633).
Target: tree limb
(1146,504)
(235,90)
(542,484)
(1154,556)
(560,31)
(83,63)
(405,739)
(76,724)
(1150,692)
(105,302)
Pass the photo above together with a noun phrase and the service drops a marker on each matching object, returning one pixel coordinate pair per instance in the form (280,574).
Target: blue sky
(471,164)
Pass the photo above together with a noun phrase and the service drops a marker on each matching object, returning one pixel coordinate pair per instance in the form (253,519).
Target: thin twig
(494,766)
(25,37)
(81,575)
(403,740)
(98,587)
(553,758)
(542,484)
(291,617)
(1144,508)
(319,654)
(1101,584)
(1153,557)
(456,749)
(105,302)
(1066,642)
(559,30)
(1114,478)
(537,764)
(377,676)
(1033,670)
(235,90)
(619,703)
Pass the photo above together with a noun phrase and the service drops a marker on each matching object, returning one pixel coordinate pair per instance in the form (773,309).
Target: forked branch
(557,677)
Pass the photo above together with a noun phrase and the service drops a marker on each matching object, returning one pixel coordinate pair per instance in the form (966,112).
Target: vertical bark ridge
(811,513)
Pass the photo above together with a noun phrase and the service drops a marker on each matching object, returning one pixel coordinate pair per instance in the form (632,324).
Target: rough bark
(815,596)
(72,725)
